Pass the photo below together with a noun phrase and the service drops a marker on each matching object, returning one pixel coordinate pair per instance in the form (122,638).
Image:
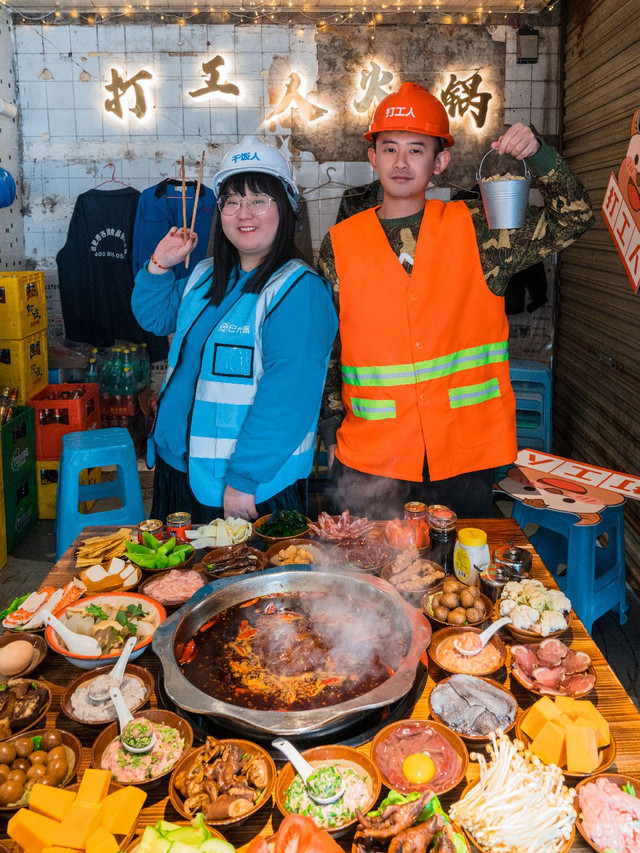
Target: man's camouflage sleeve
(331,408)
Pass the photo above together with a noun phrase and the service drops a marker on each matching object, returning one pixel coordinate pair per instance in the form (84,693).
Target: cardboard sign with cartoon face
(548,491)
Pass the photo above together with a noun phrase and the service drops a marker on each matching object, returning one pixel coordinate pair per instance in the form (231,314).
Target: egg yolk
(418,768)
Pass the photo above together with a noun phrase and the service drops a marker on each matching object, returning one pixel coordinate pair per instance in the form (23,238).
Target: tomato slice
(295,834)
(322,842)
(258,845)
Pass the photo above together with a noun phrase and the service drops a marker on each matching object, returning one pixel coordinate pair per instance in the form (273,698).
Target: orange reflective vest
(424,356)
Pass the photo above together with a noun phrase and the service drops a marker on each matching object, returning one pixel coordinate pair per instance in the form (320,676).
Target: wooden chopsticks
(195,204)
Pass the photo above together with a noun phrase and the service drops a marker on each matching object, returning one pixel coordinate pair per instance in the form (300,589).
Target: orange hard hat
(414,109)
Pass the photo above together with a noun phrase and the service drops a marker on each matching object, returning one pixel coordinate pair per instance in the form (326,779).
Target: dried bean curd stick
(519,804)
(195,206)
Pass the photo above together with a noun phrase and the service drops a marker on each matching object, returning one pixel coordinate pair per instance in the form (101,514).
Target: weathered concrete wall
(11,231)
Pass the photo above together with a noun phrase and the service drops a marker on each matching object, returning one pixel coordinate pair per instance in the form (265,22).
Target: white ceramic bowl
(86,662)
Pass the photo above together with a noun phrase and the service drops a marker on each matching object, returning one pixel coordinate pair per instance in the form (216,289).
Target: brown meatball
(441,613)
(7,753)
(474,614)
(10,792)
(466,598)
(50,740)
(450,585)
(474,590)
(56,754)
(450,600)
(24,747)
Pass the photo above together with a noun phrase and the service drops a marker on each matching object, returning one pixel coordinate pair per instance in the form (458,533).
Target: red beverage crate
(56,416)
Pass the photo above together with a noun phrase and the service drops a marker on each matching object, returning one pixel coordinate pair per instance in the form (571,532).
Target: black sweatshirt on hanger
(95,272)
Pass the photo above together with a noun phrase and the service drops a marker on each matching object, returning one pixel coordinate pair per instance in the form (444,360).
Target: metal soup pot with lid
(405,634)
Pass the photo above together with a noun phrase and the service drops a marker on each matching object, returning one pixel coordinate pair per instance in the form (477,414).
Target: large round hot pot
(412,634)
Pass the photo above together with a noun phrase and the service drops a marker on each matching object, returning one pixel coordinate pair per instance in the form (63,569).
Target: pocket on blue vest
(230,360)
(471,395)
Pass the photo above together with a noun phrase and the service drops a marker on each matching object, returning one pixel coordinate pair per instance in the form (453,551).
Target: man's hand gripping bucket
(505,199)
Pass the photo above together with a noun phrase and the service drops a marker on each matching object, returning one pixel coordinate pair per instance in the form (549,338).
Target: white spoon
(100,692)
(481,639)
(79,644)
(125,717)
(305,770)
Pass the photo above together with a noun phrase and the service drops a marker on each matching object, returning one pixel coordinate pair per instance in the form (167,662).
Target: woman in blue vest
(253,328)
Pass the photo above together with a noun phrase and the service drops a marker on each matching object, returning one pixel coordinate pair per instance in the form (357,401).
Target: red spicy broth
(293,652)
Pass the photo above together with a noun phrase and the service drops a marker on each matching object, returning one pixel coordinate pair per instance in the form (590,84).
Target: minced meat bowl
(130,768)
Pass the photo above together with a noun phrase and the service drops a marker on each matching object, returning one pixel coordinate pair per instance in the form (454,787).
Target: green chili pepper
(150,541)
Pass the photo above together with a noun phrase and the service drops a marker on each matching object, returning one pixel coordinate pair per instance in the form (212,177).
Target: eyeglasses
(229,205)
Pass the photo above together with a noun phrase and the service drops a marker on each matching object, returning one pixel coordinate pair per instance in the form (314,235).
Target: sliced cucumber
(216,845)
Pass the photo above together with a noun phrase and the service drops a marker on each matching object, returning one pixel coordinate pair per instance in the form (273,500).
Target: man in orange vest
(418,404)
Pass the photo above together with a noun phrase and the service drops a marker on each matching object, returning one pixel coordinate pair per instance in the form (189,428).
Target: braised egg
(15,657)
(418,768)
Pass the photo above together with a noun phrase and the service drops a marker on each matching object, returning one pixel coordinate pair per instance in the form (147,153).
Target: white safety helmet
(256,155)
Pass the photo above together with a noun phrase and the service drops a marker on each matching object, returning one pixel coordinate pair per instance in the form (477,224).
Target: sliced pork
(552,667)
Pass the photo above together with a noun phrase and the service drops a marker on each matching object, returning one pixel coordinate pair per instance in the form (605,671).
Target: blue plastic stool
(595,578)
(532,386)
(94,449)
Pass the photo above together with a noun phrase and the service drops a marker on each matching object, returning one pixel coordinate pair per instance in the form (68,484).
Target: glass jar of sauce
(177,525)
(442,532)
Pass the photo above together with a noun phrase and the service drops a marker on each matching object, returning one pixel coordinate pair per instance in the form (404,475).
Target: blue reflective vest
(228,381)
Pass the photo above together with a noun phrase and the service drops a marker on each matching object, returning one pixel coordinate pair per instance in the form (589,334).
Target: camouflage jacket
(566,213)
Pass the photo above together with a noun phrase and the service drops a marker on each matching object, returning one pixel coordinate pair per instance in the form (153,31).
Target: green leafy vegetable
(394,798)
(136,610)
(629,789)
(15,604)
(37,741)
(122,618)
(96,611)
(284,522)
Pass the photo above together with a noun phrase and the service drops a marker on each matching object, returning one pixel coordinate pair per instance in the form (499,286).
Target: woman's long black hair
(225,254)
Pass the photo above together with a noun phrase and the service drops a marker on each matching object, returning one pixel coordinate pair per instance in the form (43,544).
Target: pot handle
(479,177)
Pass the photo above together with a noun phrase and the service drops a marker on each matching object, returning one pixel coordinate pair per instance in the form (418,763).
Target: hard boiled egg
(15,656)
(418,768)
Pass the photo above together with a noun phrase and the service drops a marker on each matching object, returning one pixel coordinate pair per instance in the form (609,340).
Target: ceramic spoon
(76,643)
(100,692)
(304,769)
(124,717)
(481,639)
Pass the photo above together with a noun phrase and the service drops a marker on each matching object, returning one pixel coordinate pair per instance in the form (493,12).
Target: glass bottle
(442,532)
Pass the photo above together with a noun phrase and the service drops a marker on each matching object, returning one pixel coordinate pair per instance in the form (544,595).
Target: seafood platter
(335,626)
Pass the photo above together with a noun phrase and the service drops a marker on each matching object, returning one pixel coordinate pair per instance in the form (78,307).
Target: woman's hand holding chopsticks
(171,250)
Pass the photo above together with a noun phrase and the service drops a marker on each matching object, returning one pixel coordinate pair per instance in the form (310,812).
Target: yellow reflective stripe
(435,368)
(373,410)
(470,395)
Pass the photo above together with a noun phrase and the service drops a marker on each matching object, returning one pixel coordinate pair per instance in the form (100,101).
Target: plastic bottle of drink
(144,366)
(92,371)
(118,371)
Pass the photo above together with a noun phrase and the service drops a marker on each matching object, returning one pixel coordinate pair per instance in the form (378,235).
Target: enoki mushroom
(519,805)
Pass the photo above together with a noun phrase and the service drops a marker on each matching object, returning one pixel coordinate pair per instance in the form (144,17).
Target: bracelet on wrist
(160,267)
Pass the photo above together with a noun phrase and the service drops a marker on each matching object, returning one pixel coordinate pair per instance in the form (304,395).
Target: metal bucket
(505,202)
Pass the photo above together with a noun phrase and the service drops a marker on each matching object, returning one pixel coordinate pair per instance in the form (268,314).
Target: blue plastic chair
(96,448)
(595,578)
(532,386)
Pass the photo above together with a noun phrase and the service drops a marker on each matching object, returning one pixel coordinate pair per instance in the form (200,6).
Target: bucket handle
(479,177)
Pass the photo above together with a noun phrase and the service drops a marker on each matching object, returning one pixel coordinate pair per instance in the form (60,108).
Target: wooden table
(612,700)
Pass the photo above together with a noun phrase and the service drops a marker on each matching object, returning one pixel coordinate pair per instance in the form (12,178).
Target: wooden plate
(475,738)
(136,671)
(445,633)
(343,756)
(156,576)
(74,756)
(318,553)
(187,761)
(618,779)
(167,718)
(39,651)
(607,753)
(426,607)
(474,844)
(40,716)
(214,554)
(452,739)
(134,842)
(533,637)
(273,539)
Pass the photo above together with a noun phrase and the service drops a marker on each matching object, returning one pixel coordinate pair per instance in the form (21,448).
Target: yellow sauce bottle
(471,550)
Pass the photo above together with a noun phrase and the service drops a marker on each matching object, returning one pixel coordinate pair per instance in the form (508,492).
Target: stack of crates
(19,475)
(23,333)
(533,388)
(57,413)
